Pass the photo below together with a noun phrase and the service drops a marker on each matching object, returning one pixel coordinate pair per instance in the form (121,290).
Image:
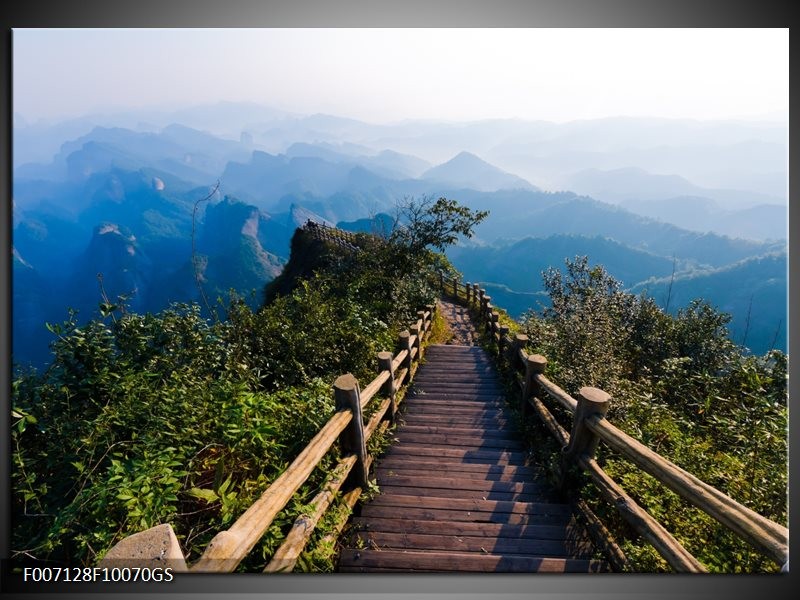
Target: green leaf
(203,494)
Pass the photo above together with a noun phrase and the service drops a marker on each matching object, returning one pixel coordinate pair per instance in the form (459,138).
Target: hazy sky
(382,75)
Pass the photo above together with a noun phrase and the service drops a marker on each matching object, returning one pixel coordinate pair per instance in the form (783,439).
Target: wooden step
(466,455)
(568,532)
(457,492)
(466,543)
(471,441)
(354,560)
(459,430)
(386,479)
(457,469)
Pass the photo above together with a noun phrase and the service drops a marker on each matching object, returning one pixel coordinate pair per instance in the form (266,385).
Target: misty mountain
(31,303)
(631,184)
(266,177)
(519,266)
(235,256)
(385,164)
(537,214)
(137,178)
(135,229)
(38,142)
(466,170)
(115,256)
(753,291)
(740,155)
(230,256)
(761,222)
(380,225)
(189,154)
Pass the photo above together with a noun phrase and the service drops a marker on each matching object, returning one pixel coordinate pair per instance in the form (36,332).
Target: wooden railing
(228,548)
(334,235)
(590,426)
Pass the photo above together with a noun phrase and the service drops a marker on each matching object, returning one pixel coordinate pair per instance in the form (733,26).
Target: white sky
(382,75)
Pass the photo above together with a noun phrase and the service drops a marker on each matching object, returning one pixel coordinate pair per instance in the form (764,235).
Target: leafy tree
(438,224)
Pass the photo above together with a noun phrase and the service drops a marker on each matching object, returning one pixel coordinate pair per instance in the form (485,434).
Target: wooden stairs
(457,490)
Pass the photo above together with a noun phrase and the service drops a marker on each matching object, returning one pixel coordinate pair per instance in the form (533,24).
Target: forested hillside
(143,419)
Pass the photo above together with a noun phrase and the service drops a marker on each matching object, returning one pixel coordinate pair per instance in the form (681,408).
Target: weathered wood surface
(457,490)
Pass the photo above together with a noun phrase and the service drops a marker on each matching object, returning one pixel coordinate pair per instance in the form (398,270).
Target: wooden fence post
(582,442)
(405,344)
(487,312)
(501,343)
(421,333)
(455,287)
(481,295)
(535,365)
(520,341)
(441,282)
(415,331)
(347,396)
(468,288)
(591,401)
(385,360)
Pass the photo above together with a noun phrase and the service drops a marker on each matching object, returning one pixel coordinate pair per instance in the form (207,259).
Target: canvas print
(399,300)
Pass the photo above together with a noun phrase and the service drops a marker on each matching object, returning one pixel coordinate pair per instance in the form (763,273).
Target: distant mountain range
(469,171)
(760,222)
(119,196)
(634,186)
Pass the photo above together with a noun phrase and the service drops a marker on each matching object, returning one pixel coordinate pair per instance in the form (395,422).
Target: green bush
(680,386)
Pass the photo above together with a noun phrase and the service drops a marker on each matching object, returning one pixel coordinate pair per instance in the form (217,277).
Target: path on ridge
(460,322)
(457,490)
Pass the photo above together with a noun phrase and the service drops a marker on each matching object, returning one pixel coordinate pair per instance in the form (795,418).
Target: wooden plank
(458,367)
(356,560)
(463,455)
(457,430)
(444,420)
(444,387)
(454,407)
(466,378)
(373,510)
(456,468)
(412,471)
(569,531)
(495,507)
(459,384)
(423,492)
(464,543)
(459,440)
(497,400)
(466,400)
(458,483)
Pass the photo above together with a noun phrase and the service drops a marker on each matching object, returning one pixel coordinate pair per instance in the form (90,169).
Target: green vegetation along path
(457,490)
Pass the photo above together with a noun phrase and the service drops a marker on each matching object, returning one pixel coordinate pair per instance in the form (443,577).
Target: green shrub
(680,386)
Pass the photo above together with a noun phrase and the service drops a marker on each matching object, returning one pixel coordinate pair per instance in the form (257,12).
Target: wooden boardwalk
(457,491)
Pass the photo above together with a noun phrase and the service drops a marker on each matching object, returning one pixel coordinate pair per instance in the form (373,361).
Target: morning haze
(212,227)
(664,148)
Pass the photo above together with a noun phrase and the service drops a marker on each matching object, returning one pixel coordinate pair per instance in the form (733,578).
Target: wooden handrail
(228,548)
(766,536)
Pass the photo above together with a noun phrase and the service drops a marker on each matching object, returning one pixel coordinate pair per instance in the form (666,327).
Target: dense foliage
(680,386)
(148,419)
